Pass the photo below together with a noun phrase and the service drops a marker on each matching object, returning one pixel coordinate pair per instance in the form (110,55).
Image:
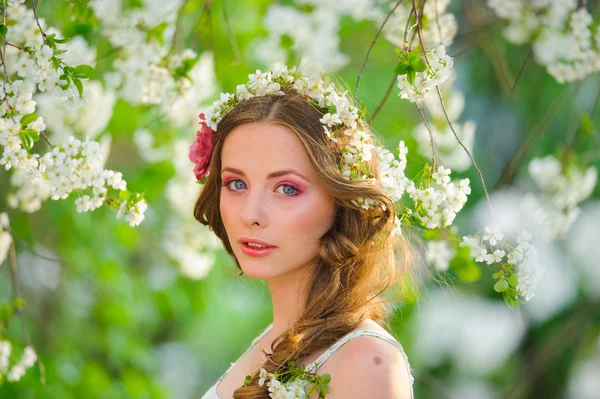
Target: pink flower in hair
(202,148)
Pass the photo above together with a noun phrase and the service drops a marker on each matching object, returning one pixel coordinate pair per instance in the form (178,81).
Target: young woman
(291,188)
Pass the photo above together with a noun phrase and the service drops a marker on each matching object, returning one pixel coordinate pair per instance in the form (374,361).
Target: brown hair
(359,258)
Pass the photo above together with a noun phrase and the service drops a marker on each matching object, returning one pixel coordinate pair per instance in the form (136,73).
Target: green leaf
(79,86)
(66,85)
(501,285)
(124,195)
(3,29)
(411,76)
(27,119)
(286,42)
(5,312)
(35,136)
(62,41)
(401,68)
(398,52)
(157,32)
(513,280)
(26,140)
(419,65)
(587,124)
(84,71)
(247,380)
(326,378)
(19,303)
(412,56)
(50,42)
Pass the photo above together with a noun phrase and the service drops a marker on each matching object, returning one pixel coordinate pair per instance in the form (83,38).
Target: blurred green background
(112,315)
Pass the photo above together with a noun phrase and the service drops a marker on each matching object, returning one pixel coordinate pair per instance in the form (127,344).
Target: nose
(253,212)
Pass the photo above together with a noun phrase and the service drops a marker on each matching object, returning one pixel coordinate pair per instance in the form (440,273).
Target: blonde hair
(359,257)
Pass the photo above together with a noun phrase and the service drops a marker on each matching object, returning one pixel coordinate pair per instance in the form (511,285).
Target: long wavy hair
(359,260)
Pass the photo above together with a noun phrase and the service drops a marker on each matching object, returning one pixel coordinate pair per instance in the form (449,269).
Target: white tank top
(212,391)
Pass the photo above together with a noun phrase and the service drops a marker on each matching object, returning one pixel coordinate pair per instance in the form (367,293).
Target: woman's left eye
(287,189)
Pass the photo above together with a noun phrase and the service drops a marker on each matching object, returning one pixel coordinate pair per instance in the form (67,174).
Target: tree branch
(371,48)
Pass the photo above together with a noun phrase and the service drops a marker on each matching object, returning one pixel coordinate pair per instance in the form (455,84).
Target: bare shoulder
(367,367)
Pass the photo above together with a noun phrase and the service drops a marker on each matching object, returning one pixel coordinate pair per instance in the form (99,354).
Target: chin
(258,271)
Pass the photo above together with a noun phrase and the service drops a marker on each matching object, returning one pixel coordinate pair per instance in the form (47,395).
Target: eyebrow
(270,175)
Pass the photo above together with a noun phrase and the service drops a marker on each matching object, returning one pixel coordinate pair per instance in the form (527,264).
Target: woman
(293,194)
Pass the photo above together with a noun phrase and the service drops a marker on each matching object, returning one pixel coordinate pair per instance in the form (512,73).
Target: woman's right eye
(235,185)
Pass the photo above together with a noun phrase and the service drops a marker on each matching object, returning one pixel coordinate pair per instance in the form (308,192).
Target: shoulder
(367,367)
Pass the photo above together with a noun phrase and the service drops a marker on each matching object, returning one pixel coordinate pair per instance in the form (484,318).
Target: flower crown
(339,117)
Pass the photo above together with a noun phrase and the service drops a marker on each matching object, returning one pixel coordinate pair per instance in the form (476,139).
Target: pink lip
(254,251)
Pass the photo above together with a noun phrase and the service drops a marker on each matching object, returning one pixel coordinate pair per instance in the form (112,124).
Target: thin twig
(529,54)
(407,29)
(4,47)
(231,35)
(371,47)
(47,139)
(207,9)
(15,46)
(14,234)
(384,99)
(572,133)
(406,47)
(433,156)
(34,6)
(514,163)
(487,196)
(180,13)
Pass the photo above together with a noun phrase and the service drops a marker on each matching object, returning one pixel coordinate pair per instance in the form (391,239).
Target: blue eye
(237,185)
(288,190)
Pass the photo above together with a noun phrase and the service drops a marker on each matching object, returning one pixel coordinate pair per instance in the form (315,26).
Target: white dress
(212,391)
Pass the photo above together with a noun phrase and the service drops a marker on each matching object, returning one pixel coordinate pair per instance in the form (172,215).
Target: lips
(250,247)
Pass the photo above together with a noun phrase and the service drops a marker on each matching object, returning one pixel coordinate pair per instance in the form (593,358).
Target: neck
(288,296)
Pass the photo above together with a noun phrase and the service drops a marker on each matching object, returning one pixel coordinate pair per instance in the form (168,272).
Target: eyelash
(226,184)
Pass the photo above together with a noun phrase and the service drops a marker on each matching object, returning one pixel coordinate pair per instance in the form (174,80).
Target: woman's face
(272,195)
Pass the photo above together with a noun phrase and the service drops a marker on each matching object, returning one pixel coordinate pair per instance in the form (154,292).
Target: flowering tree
(121,83)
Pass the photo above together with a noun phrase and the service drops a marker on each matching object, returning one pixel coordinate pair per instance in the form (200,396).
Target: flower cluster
(560,32)
(5,237)
(416,87)
(277,390)
(437,204)
(439,254)
(520,268)
(75,165)
(291,384)
(35,61)
(437,25)
(339,115)
(18,370)
(554,208)
(294,32)
(339,109)
(146,70)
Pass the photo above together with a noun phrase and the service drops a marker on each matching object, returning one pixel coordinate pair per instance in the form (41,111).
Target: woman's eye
(236,185)
(286,189)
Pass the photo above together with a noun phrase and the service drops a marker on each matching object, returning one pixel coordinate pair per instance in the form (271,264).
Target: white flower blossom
(439,254)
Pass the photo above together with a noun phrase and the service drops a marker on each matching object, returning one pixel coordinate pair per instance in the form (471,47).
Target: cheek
(309,220)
